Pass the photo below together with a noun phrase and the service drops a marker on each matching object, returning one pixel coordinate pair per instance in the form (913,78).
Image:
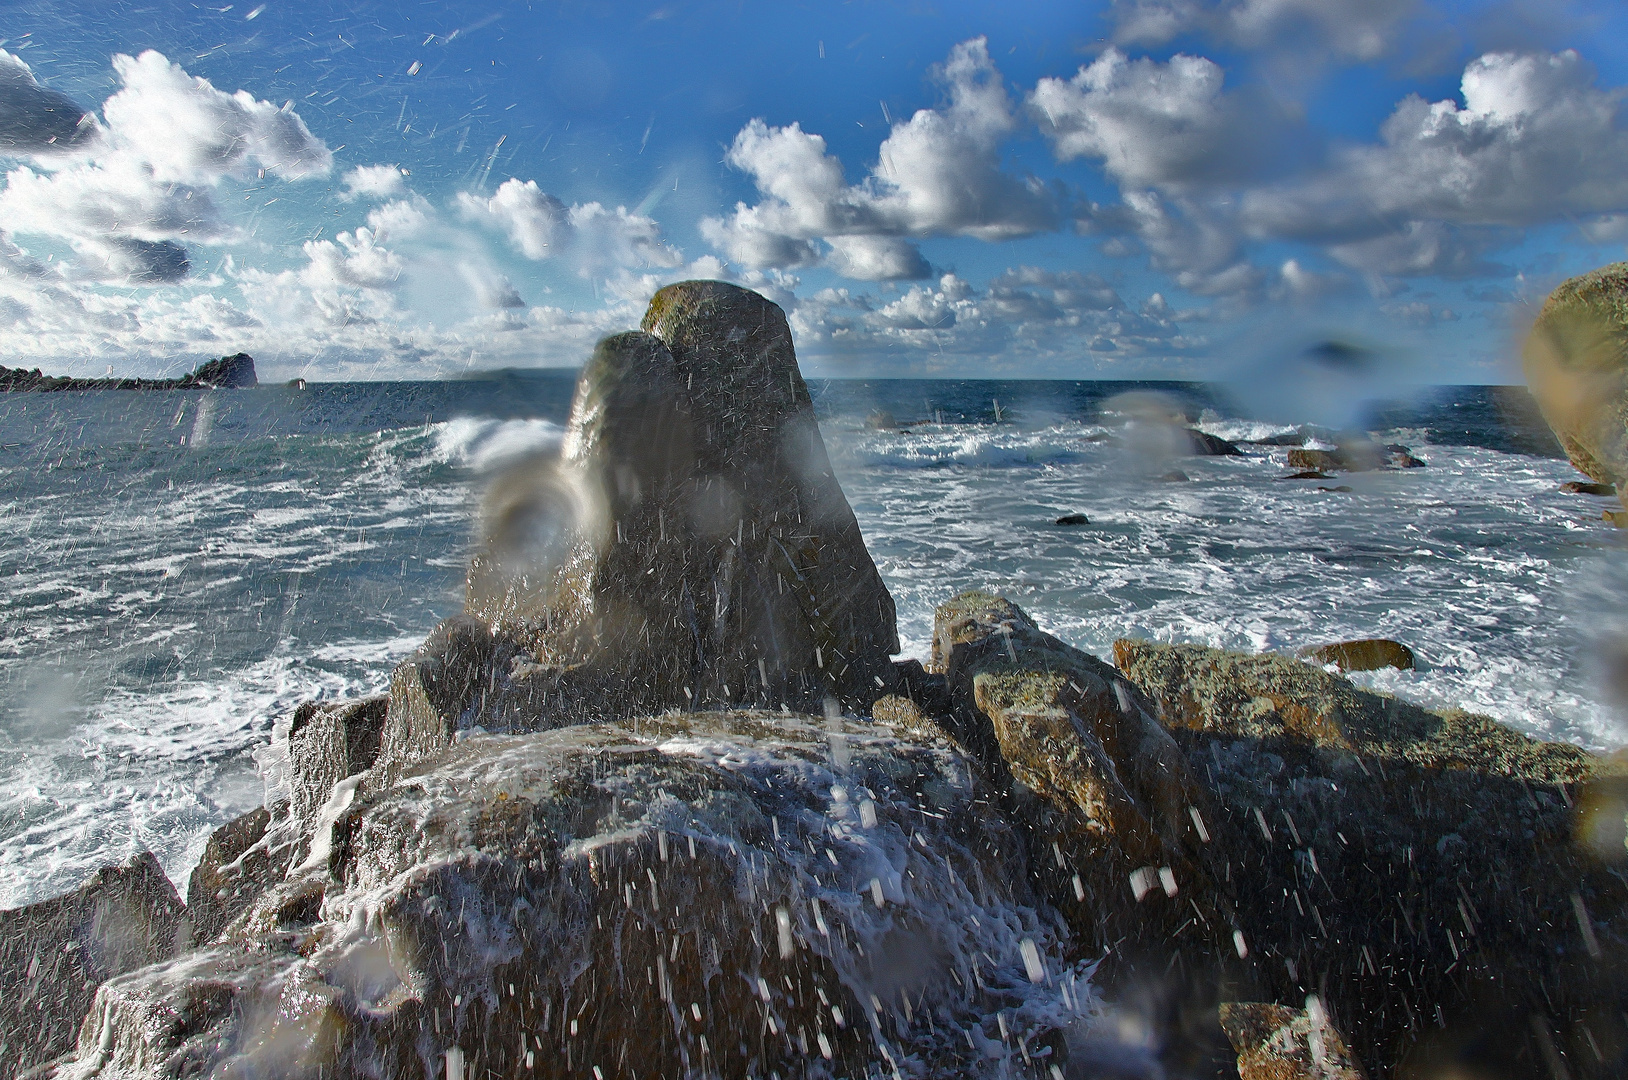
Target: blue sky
(1140,188)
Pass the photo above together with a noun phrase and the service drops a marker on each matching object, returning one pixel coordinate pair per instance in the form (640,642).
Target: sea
(180,570)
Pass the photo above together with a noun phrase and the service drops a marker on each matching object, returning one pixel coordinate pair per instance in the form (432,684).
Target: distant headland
(228,373)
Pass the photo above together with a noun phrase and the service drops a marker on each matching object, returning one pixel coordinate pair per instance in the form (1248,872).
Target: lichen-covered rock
(725,894)
(54,954)
(1576,362)
(1367,654)
(1275,1042)
(1418,870)
(1072,731)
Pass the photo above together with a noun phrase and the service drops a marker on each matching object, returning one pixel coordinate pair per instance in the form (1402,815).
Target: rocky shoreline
(234,372)
(660,802)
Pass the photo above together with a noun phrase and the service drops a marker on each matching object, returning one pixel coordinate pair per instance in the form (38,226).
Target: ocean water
(180,570)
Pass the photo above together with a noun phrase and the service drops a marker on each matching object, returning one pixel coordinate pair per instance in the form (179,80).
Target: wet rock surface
(55,953)
(690,547)
(1275,1042)
(727,893)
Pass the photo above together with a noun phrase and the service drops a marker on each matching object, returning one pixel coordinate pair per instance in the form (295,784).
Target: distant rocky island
(234,372)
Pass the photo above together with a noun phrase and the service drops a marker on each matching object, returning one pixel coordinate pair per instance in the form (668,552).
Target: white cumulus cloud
(937,173)
(594,238)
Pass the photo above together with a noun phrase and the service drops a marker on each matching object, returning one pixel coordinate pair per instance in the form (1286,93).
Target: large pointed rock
(791,581)
(690,547)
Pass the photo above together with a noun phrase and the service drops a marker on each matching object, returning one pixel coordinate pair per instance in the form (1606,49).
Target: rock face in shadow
(1576,363)
(727,893)
(55,953)
(1416,870)
(690,548)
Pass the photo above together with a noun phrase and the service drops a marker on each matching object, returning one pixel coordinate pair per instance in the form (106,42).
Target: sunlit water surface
(182,569)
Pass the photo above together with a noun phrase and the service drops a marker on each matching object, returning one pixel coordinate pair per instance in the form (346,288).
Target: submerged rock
(1579,487)
(1073,519)
(54,954)
(1368,654)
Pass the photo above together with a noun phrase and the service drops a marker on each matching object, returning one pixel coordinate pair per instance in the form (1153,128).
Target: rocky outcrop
(1415,869)
(1355,457)
(1580,487)
(1367,654)
(690,548)
(229,372)
(54,954)
(724,893)
(1203,444)
(1576,363)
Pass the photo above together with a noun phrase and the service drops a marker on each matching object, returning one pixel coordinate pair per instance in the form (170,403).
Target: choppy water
(181,569)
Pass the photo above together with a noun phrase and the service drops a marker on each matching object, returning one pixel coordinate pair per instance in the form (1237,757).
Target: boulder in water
(1367,654)
(1581,487)
(54,954)
(1073,519)
(1204,444)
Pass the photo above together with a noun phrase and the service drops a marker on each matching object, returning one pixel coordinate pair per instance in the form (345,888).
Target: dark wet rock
(1397,861)
(1577,369)
(1175,476)
(229,372)
(725,893)
(1290,438)
(1338,489)
(1397,456)
(1367,654)
(327,742)
(1307,474)
(1354,457)
(1073,519)
(1204,444)
(881,420)
(1581,487)
(1275,1042)
(54,954)
(1316,461)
